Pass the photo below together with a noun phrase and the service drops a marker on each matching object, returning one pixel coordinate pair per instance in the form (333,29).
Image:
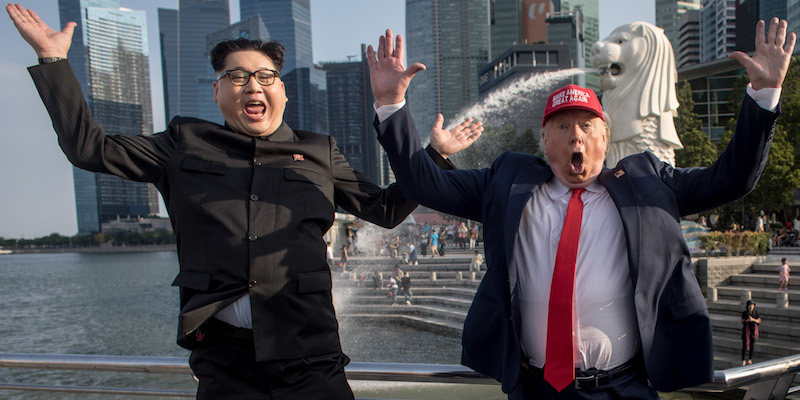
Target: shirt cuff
(766,98)
(384,112)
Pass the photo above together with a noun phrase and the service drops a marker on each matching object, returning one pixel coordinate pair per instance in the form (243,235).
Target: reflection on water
(124,304)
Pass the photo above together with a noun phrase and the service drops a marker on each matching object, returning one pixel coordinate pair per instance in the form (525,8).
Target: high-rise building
(452,39)
(505,25)
(566,28)
(748,12)
(350,116)
(668,13)
(793,18)
(307,108)
(589,33)
(688,50)
(289,22)
(717,29)
(109,54)
(188,75)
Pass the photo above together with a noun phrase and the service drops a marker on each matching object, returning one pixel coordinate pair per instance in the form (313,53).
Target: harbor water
(124,304)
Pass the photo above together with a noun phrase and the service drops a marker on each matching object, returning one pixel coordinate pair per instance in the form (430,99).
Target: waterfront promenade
(443,288)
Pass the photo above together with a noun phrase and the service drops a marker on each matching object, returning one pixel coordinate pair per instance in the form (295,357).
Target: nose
(252,86)
(576,134)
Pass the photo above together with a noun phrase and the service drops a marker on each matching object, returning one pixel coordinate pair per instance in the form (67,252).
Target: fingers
(438,122)
(389,44)
(400,49)
(790,42)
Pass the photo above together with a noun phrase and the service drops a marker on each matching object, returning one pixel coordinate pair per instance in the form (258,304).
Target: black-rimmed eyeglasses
(240,77)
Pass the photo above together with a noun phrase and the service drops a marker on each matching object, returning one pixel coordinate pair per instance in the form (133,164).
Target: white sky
(36,190)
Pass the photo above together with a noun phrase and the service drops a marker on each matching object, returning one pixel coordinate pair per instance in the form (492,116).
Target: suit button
(256,162)
(252,283)
(254,197)
(252,238)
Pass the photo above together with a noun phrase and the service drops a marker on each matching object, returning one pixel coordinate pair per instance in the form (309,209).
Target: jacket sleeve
(457,192)
(355,193)
(736,171)
(84,141)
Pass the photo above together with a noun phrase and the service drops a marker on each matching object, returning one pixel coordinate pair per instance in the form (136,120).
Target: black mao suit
(249,213)
(650,195)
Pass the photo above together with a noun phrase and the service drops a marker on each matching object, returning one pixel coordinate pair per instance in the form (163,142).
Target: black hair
(271,49)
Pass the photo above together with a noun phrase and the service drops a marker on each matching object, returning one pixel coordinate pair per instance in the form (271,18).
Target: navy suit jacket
(650,195)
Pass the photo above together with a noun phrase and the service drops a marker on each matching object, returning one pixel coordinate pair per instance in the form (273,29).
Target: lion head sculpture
(638,77)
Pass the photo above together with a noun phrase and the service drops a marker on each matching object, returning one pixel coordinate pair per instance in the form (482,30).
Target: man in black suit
(636,320)
(249,202)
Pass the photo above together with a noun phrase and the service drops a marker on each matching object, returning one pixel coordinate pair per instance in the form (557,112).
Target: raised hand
(44,40)
(388,75)
(770,62)
(459,138)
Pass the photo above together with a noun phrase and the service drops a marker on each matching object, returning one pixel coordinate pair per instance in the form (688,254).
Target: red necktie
(559,366)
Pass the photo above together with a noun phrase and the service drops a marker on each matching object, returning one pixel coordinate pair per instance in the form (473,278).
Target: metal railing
(766,380)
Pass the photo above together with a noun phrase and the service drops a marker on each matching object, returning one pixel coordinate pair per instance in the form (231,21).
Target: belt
(592,378)
(225,329)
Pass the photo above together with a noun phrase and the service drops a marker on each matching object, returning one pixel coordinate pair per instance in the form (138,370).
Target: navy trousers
(630,386)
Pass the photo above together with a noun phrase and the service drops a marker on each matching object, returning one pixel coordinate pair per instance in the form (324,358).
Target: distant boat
(4,251)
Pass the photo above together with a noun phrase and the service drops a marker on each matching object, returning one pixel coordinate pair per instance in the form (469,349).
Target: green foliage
(492,143)
(698,151)
(781,176)
(119,238)
(735,243)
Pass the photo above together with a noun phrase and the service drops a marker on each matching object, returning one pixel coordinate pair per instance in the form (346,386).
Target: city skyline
(38,197)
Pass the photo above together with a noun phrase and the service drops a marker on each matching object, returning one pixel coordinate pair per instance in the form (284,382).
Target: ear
(216,90)
(283,90)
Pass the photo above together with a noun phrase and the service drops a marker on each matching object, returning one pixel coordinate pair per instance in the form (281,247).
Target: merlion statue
(638,82)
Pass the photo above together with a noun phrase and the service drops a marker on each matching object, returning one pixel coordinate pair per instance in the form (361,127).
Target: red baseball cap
(572,97)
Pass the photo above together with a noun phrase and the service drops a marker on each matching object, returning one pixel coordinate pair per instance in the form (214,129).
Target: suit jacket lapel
(620,188)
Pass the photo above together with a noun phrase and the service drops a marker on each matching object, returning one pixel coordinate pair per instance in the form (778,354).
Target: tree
(697,147)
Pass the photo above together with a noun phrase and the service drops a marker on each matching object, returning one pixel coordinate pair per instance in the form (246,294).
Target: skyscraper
(566,28)
(452,39)
(688,51)
(350,116)
(189,66)
(110,57)
(667,14)
(289,22)
(748,12)
(717,29)
(307,108)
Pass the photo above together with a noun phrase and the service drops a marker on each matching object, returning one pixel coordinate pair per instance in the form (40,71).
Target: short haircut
(271,49)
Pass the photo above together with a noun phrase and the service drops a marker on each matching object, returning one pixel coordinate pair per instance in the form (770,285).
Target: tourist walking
(473,236)
(405,284)
(783,274)
(329,254)
(344,259)
(393,288)
(434,244)
(750,321)
(412,254)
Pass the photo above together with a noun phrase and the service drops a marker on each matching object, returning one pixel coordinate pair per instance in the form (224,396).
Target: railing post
(433,275)
(782,299)
(459,275)
(746,295)
(712,294)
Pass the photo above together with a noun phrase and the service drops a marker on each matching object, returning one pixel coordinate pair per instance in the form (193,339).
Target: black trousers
(631,386)
(225,366)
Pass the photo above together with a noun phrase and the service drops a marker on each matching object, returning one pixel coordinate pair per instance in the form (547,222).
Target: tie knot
(577,192)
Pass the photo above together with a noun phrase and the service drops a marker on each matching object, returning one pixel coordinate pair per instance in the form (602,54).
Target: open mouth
(613,69)
(576,164)
(255,109)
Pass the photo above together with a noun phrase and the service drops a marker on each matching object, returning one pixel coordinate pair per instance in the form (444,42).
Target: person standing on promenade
(589,291)
(249,202)
(344,258)
(405,284)
(750,322)
(783,274)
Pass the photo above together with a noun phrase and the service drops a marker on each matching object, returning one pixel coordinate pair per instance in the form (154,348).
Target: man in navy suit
(639,319)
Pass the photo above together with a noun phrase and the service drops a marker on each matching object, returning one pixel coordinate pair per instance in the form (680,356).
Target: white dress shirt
(606,333)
